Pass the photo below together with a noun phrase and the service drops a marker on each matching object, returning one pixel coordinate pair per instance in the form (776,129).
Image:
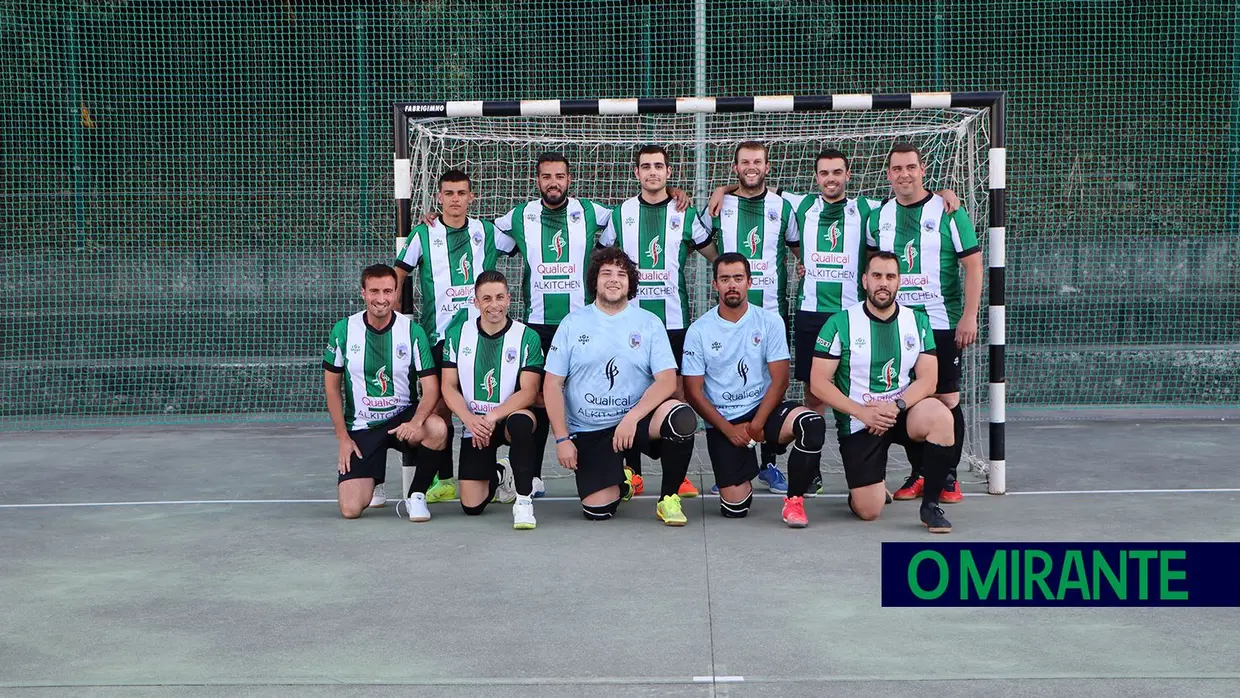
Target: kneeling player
(491,371)
(610,379)
(736,373)
(875,366)
(374,355)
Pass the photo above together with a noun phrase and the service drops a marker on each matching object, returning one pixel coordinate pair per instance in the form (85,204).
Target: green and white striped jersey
(876,356)
(447,259)
(658,237)
(489,367)
(755,227)
(379,367)
(929,244)
(833,242)
(556,244)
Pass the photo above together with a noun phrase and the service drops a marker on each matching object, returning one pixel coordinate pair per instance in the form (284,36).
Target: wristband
(560,441)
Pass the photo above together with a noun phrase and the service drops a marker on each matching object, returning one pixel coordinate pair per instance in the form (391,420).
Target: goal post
(961,133)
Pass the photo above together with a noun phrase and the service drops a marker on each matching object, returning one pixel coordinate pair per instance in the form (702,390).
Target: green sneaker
(669,511)
(441,491)
(628,480)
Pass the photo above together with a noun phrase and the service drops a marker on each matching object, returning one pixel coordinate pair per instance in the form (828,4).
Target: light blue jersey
(608,362)
(734,357)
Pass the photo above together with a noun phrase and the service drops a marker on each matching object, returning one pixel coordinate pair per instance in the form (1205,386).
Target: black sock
(675,457)
(958,448)
(914,452)
(633,459)
(936,463)
(768,456)
(493,485)
(802,467)
(521,453)
(542,427)
(427,462)
(445,467)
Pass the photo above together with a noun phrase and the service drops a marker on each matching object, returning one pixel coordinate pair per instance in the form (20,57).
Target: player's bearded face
(751,168)
(881,285)
(553,183)
(652,172)
(380,296)
(732,285)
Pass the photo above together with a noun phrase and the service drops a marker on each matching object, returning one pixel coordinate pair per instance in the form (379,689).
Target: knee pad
(737,510)
(520,427)
(679,425)
(474,511)
(600,512)
(810,432)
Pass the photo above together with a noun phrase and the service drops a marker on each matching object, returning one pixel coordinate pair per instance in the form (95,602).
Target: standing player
(610,379)
(492,367)
(759,224)
(659,239)
(373,357)
(736,373)
(447,253)
(875,366)
(931,244)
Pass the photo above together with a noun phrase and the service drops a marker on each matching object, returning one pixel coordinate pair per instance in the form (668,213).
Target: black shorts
(949,361)
(734,465)
(865,454)
(677,339)
(546,333)
(479,463)
(805,331)
(599,466)
(374,443)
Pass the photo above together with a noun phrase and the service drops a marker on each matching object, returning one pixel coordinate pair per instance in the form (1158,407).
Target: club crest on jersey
(635,340)
(772,214)
(575,216)
(612,371)
(654,250)
(751,240)
(742,370)
(851,208)
(909,341)
(889,373)
(477,236)
(929,225)
(910,255)
(402,350)
(381,380)
(510,355)
(757,338)
(675,223)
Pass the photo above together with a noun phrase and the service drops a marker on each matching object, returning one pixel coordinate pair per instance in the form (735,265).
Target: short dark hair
(750,145)
(550,157)
(830,154)
(904,147)
(490,276)
(651,150)
(731,258)
(455,176)
(610,255)
(882,254)
(377,271)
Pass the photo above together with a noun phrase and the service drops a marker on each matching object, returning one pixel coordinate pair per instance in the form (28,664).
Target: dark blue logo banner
(1061,574)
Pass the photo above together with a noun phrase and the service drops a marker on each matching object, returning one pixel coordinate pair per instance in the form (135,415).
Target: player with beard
(736,374)
(610,376)
(875,367)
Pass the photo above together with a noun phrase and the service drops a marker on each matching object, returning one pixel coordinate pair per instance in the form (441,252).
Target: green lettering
(1037,576)
(1102,568)
(1072,576)
(1143,573)
(916,587)
(1015,578)
(970,578)
(1166,575)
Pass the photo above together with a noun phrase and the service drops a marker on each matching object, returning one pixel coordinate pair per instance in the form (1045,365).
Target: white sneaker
(379,498)
(417,507)
(523,514)
(540,489)
(507,490)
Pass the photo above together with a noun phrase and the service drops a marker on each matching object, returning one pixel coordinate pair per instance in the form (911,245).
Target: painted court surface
(212,561)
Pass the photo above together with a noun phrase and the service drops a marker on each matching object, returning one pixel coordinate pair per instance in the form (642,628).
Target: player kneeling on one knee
(381,351)
(610,377)
(875,366)
(736,370)
(492,366)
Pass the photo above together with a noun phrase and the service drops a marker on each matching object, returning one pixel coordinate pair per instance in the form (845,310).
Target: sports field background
(189,189)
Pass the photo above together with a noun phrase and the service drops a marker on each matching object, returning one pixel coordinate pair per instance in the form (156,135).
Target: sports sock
(542,427)
(445,467)
(935,466)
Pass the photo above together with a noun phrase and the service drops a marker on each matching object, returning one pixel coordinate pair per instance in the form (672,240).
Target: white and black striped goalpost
(994,102)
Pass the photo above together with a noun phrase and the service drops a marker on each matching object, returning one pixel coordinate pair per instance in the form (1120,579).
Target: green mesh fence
(189,189)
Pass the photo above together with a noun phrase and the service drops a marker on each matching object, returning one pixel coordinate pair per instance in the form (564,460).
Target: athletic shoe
(794,512)
(628,480)
(714,489)
(417,508)
(523,514)
(639,485)
(540,488)
(951,494)
(441,491)
(815,487)
(506,493)
(932,518)
(773,479)
(669,511)
(911,489)
(687,490)
(379,498)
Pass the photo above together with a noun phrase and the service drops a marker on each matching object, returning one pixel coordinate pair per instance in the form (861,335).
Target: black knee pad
(600,512)
(679,425)
(520,427)
(810,432)
(738,510)
(474,511)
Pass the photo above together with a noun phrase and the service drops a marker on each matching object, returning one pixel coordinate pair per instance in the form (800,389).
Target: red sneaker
(639,485)
(794,512)
(951,495)
(910,490)
(687,490)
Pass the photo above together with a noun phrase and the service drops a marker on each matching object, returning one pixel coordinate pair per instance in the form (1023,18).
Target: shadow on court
(238,576)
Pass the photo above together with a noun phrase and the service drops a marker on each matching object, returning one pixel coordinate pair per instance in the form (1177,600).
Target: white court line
(718,679)
(190,502)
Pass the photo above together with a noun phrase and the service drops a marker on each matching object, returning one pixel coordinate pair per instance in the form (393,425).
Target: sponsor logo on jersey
(742,370)
(402,350)
(611,370)
(635,340)
(510,355)
(606,401)
(584,339)
(380,403)
(556,285)
(467,351)
(840,258)
(557,245)
(531,217)
(490,385)
(910,254)
(462,267)
(860,342)
(556,269)
(355,348)
(716,346)
(889,373)
(653,250)
(630,220)
(744,395)
(870,398)
(659,275)
(833,234)
(381,379)
(481,407)
(751,240)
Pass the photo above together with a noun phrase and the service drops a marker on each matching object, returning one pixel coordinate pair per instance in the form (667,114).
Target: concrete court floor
(239,578)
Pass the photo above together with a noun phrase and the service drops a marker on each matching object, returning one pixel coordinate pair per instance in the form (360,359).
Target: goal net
(499,154)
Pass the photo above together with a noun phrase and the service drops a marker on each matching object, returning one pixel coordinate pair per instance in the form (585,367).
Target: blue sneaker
(540,489)
(773,479)
(714,489)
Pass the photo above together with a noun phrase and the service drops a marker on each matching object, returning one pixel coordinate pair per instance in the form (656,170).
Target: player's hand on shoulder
(566,453)
(430,217)
(682,199)
(951,202)
(715,205)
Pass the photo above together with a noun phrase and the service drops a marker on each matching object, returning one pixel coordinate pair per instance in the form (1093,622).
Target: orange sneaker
(639,485)
(687,490)
(794,512)
(952,494)
(910,490)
